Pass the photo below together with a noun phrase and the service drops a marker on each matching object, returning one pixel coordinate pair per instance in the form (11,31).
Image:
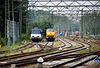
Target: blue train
(36,34)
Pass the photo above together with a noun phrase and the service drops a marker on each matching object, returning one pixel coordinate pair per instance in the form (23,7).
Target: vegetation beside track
(93,47)
(10,53)
(4,48)
(58,43)
(34,48)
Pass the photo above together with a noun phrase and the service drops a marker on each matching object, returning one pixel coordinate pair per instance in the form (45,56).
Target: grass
(74,46)
(47,51)
(58,43)
(94,47)
(31,49)
(4,48)
(43,41)
(51,60)
(10,53)
(9,58)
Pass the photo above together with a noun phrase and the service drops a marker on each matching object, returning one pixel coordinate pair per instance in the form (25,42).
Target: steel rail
(46,58)
(59,65)
(24,54)
(2,52)
(25,61)
(55,53)
(79,64)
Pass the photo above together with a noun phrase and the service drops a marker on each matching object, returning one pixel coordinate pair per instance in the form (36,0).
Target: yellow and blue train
(36,34)
(50,34)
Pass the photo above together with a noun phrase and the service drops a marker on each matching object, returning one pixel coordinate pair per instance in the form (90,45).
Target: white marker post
(88,41)
(90,46)
(60,49)
(24,42)
(40,61)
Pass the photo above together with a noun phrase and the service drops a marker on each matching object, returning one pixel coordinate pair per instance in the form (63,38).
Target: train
(36,34)
(50,34)
(77,33)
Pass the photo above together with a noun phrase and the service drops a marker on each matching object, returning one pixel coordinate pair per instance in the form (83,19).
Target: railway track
(29,45)
(47,57)
(77,61)
(4,58)
(64,42)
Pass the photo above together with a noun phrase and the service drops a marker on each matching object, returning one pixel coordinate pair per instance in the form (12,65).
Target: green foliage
(1,23)
(90,49)
(45,25)
(50,60)
(40,19)
(43,40)
(46,51)
(9,58)
(23,36)
(92,23)
(2,41)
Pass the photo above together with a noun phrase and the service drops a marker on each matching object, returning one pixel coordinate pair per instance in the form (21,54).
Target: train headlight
(37,36)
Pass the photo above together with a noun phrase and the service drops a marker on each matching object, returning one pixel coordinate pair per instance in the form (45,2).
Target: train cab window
(36,31)
(50,30)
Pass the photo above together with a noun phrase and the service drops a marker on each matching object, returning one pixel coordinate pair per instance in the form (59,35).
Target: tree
(45,25)
(2,14)
(92,23)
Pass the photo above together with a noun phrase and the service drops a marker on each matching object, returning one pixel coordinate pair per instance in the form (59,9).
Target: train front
(36,35)
(50,34)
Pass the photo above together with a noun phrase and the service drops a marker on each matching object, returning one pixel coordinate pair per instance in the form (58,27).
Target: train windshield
(50,30)
(36,31)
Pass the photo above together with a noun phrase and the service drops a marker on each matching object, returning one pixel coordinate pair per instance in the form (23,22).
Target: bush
(23,36)
(46,51)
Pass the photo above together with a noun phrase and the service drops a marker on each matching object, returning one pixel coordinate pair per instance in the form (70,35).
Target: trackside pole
(37,45)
